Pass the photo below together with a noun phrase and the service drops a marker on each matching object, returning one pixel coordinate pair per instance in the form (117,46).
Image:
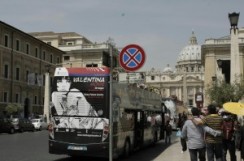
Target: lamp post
(234,45)
(47,94)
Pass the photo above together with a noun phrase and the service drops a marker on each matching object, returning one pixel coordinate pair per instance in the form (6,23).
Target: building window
(58,60)
(36,75)
(43,80)
(5,97)
(6,39)
(152,77)
(51,58)
(17,45)
(44,55)
(192,69)
(27,48)
(66,58)
(26,76)
(17,97)
(36,52)
(5,71)
(190,101)
(187,69)
(17,73)
(35,100)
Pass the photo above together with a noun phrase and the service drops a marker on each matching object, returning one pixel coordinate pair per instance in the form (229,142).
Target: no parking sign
(132,57)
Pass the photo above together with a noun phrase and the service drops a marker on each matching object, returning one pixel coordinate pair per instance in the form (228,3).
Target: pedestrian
(228,136)
(214,145)
(168,129)
(195,137)
(241,142)
(182,119)
(237,133)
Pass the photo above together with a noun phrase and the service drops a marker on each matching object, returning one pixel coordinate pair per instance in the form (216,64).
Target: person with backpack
(214,145)
(228,136)
(168,132)
(195,137)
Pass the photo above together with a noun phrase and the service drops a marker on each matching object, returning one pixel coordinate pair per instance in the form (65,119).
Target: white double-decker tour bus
(80,112)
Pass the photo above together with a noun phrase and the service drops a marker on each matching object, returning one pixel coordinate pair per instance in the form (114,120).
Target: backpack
(228,130)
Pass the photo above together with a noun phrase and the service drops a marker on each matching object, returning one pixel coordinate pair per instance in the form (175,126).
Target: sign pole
(110,104)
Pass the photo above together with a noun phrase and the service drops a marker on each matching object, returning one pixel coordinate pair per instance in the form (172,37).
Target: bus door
(139,128)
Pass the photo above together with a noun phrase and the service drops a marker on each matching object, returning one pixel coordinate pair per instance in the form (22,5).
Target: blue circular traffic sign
(132,57)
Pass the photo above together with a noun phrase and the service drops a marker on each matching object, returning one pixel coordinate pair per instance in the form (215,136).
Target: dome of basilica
(191,51)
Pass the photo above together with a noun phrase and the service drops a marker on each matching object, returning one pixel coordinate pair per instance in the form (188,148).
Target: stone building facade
(79,51)
(24,61)
(186,80)
(216,58)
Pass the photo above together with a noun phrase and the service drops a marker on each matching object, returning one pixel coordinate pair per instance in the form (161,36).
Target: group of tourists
(211,135)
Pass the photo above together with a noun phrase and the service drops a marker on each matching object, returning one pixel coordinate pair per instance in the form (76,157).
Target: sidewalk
(173,153)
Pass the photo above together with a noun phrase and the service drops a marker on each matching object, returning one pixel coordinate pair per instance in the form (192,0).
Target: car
(15,123)
(26,125)
(6,125)
(39,124)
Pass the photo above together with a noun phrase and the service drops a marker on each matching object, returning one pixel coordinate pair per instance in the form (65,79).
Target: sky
(161,27)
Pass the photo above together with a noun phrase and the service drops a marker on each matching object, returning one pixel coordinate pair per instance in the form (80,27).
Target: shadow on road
(149,153)
(146,154)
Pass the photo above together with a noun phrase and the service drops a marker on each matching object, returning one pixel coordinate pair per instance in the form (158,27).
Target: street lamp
(234,47)
(233,17)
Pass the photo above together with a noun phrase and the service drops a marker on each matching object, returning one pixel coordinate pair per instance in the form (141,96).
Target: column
(235,61)
(184,89)
(46,97)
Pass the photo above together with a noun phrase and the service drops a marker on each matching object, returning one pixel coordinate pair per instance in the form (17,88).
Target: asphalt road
(33,146)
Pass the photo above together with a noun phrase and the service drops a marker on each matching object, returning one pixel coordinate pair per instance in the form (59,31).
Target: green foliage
(13,108)
(224,92)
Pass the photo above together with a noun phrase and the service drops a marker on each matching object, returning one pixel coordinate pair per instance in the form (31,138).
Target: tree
(224,92)
(12,108)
